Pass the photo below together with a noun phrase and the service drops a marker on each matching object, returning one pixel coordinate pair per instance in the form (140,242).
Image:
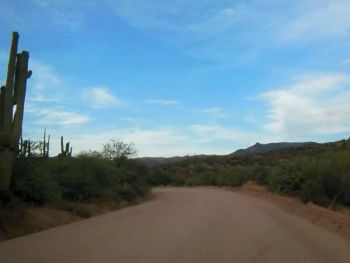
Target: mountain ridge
(257,148)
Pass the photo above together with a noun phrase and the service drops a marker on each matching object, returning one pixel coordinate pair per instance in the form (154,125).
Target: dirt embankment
(337,221)
(23,220)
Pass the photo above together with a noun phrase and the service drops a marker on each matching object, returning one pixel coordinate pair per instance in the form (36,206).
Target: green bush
(285,180)
(260,174)
(159,177)
(233,176)
(32,183)
(47,180)
(322,178)
(205,178)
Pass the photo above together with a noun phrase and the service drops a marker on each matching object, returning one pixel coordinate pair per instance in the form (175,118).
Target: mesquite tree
(12,97)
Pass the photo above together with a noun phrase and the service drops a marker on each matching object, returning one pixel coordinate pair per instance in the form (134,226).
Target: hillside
(257,148)
(264,148)
(316,172)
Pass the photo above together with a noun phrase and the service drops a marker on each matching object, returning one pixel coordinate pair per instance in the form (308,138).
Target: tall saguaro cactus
(12,97)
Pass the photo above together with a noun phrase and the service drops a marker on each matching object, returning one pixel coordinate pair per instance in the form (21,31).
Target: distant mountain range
(257,148)
(269,147)
(154,161)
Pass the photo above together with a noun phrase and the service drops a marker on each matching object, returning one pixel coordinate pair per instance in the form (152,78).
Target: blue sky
(183,76)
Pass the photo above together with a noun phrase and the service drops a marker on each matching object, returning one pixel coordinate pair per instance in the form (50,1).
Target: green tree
(118,150)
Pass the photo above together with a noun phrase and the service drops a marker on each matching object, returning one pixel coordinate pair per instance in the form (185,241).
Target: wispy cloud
(317,20)
(218,22)
(45,84)
(56,117)
(312,105)
(101,97)
(65,12)
(162,102)
(10,15)
(234,135)
(47,99)
(214,111)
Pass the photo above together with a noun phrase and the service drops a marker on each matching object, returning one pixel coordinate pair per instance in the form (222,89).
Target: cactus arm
(2,99)
(62,149)
(66,152)
(29,148)
(2,110)
(21,86)
(8,102)
(48,146)
(44,144)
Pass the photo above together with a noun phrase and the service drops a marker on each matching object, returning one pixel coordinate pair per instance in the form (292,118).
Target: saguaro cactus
(46,145)
(66,151)
(12,97)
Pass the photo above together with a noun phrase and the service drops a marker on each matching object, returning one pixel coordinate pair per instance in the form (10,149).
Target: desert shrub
(232,176)
(135,173)
(134,185)
(205,178)
(285,180)
(88,177)
(312,190)
(327,180)
(107,174)
(33,183)
(159,176)
(260,174)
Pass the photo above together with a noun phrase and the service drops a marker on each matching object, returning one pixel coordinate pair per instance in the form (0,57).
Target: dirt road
(183,225)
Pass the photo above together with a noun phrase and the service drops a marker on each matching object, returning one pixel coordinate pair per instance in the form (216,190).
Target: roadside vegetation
(316,173)
(109,174)
(48,191)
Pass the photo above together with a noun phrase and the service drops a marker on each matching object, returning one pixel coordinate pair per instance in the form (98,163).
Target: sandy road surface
(183,225)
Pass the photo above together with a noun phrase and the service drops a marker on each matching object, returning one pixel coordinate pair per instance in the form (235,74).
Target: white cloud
(162,102)
(215,132)
(172,140)
(47,97)
(218,22)
(313,105)
(45,84)
(164,141)
(214,111)
(317,20)
(56,117)
(100,97)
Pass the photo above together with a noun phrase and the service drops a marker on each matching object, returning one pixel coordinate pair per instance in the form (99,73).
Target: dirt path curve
(183,225)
